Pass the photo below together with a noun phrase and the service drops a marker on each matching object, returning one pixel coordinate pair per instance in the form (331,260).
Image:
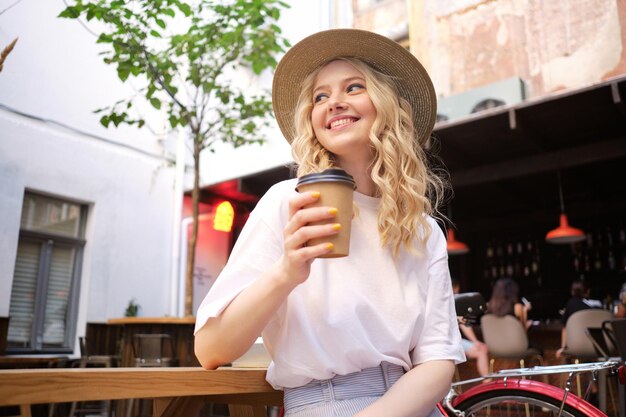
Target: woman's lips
(340,122)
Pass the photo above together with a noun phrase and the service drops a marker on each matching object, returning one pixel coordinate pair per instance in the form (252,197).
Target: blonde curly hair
(408,189)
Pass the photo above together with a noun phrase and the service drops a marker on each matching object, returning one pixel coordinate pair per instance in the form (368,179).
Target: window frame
(47,242)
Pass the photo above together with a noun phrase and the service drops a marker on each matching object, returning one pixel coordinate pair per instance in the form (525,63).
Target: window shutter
(22,308)
(59,286)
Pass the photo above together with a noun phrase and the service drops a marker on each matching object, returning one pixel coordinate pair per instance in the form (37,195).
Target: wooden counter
(28,362)
(153,320)
(180,328)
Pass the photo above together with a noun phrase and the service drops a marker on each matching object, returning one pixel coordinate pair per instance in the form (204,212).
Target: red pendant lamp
(564,234)
(455,247)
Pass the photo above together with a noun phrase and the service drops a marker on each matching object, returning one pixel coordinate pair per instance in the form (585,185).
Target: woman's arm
(559,352)
(521,312)
(228,336)
(468,332)
(415,394)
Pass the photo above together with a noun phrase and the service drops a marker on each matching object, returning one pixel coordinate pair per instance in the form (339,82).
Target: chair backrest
(153,349)
(616,331)
(576,341)
(504,336)
(601,341)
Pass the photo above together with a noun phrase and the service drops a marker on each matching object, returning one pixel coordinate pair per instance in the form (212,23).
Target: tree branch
(5,52)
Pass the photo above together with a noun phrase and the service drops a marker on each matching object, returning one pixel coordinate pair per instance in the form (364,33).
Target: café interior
(515,171)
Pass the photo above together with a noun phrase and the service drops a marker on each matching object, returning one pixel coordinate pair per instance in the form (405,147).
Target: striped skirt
(343,395)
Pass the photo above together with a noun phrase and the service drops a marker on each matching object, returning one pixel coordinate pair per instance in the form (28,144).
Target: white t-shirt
(352,313)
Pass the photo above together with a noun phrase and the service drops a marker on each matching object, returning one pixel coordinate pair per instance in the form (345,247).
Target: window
(44,295)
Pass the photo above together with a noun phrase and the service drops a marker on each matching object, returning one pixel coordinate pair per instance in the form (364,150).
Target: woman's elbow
(207,357)
(208,353)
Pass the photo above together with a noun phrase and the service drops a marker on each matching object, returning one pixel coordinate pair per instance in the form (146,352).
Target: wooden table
(176,391)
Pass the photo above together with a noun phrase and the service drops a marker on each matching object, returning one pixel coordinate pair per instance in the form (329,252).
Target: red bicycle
(511,394)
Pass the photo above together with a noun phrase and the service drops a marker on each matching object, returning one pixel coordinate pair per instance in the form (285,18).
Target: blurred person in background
(580,293)
(505,301)
(474,348)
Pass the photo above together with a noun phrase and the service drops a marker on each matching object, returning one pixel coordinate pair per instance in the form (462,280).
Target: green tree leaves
(182,55)
(183,52)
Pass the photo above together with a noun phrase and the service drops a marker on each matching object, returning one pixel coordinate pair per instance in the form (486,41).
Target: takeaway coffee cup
(336,189)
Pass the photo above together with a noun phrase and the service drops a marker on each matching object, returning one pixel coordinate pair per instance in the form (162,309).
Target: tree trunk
(191,248)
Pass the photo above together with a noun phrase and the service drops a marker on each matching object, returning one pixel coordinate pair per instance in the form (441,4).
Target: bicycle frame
(504,380)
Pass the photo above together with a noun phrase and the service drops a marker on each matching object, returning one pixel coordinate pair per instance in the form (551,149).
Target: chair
(578,345)
(601,341)
(506,338)
(615,330)
(151,350)
(89,360)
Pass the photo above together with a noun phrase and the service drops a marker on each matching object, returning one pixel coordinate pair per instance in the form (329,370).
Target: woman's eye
(319,97)
(354,87)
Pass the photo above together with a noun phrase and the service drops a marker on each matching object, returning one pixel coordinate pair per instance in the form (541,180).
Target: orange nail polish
(330,246)
(315,194)
(337,226)
(333,211)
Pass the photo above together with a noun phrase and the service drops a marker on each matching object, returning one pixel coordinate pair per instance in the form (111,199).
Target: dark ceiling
(503,162)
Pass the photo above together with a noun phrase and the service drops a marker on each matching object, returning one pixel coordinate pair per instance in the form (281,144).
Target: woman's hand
(297,258)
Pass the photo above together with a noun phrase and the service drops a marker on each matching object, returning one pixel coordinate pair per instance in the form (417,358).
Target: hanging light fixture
(565,233)
(455,247)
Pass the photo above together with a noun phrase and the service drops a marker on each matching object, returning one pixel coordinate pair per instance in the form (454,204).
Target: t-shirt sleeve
(259,246)
(439,338)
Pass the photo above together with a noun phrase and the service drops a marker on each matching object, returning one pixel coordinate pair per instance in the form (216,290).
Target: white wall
(129,229)
(55,74)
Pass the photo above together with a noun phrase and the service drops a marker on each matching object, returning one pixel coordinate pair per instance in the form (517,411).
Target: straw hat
(383,54)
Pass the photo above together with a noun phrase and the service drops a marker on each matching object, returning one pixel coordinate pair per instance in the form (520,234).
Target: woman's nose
(336,104)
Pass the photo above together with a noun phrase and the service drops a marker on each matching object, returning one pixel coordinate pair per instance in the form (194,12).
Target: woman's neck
(362,177)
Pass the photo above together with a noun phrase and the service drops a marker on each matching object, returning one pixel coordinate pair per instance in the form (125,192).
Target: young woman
(505,301)
(373,333)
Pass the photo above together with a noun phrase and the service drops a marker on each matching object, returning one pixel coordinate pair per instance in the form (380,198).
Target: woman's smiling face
(343,113)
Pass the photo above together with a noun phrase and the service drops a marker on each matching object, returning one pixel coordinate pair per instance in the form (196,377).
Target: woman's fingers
(306,254)
(304,225)
(303,234)
(301,200)
(300,215)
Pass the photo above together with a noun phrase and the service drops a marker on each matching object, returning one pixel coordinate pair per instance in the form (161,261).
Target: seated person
(579,300)
(505,301)
(474,348)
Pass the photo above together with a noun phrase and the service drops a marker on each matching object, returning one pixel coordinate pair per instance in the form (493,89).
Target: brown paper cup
(338,194)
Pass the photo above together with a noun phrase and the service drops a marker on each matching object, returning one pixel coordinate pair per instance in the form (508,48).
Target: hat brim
(383,54)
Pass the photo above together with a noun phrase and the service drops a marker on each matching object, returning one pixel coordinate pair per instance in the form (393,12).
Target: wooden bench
(175,391)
